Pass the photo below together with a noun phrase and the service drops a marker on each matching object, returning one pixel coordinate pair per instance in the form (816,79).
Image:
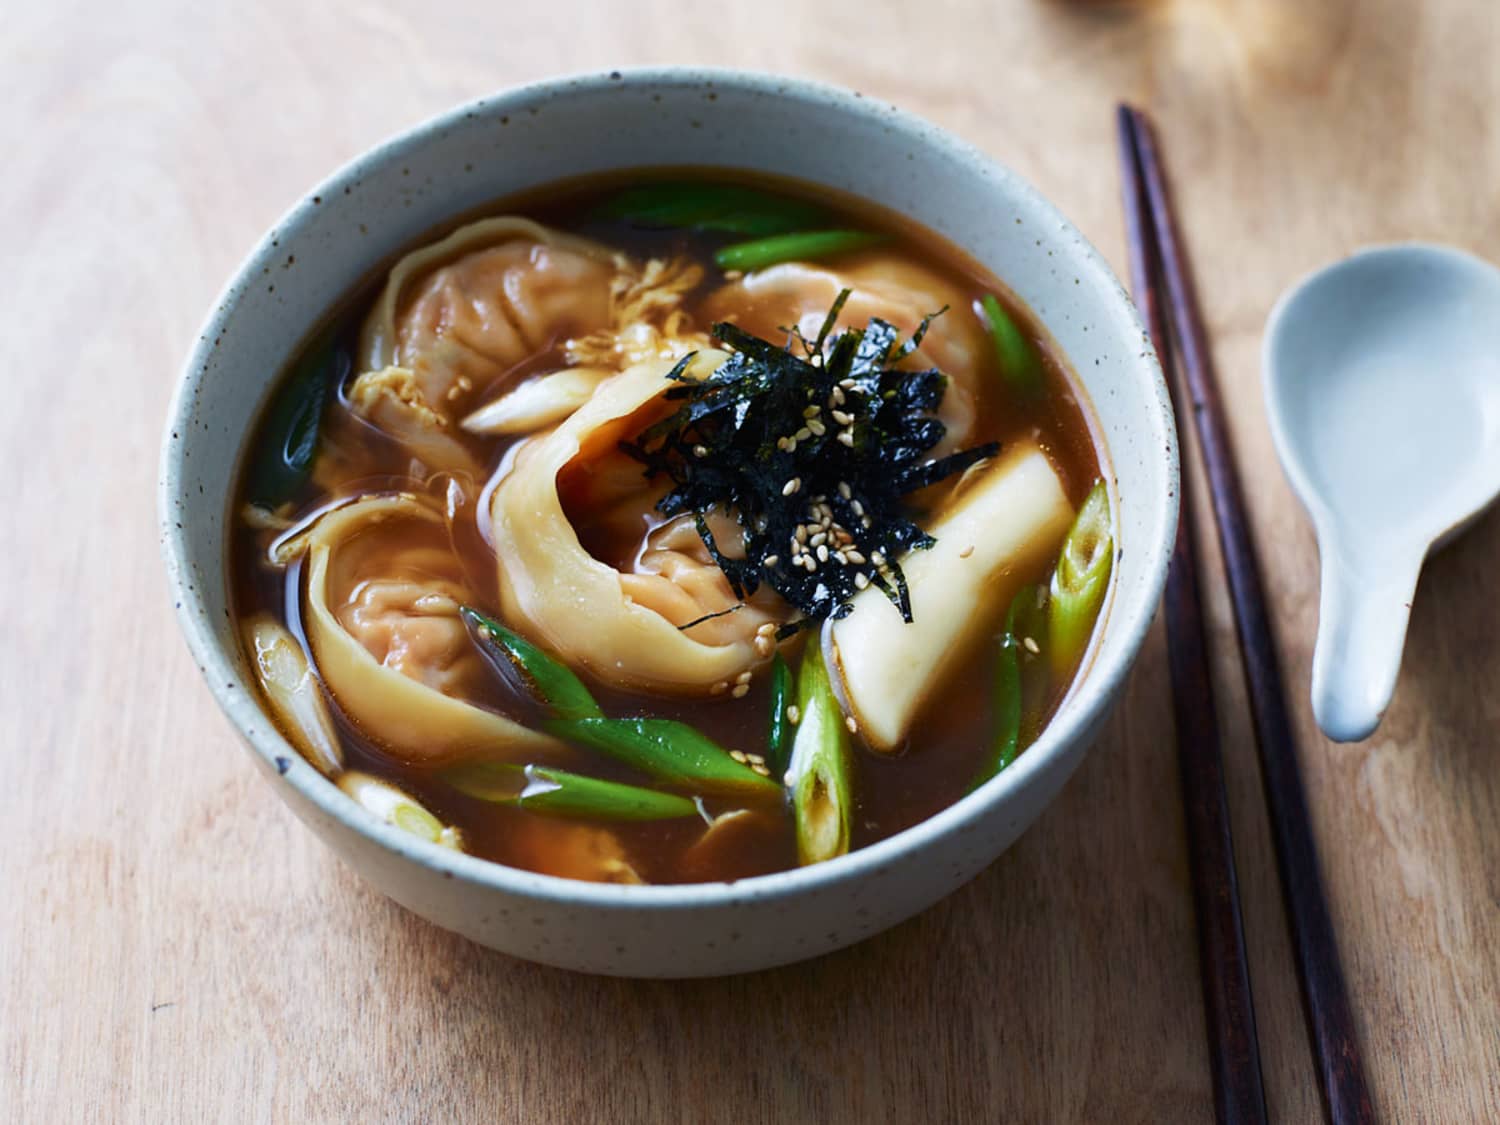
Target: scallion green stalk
(730,208)
(822,798)
(1079,583)
(668,750)
(552,792)
(802,246)
(1020,363)
(553,683)
(779,739)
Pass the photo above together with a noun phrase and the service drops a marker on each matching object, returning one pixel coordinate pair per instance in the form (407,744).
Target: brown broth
(892,792)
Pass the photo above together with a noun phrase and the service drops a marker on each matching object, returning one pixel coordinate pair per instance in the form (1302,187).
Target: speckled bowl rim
(1131,616)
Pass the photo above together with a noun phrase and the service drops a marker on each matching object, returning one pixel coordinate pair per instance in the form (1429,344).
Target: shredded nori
(742,435)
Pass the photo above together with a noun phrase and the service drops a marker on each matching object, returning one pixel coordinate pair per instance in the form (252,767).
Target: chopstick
(1234,1051)
(1346,1097)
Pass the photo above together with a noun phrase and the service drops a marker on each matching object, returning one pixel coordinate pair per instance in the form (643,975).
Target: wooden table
(175,947)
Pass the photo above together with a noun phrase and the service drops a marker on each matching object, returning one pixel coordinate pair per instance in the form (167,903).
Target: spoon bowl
(1382,383)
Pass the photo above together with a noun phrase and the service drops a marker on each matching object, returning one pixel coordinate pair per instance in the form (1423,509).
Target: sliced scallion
(553,792)
(1079,583)
(779,739)
(668,750)
(554,684)
(802,246)
(293,423)
(822,797)
(730,208)
(1020,363)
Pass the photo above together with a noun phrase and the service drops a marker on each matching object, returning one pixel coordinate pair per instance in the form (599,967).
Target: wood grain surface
(175,947)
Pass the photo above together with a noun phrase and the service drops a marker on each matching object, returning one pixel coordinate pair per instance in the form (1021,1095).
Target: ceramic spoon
(1382,381)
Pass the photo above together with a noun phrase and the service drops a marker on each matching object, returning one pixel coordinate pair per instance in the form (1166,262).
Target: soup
(670,528)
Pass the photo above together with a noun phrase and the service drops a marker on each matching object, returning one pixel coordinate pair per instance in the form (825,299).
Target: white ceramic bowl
(491,148)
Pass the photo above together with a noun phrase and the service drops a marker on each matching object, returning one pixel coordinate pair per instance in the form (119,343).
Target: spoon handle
(1361,629)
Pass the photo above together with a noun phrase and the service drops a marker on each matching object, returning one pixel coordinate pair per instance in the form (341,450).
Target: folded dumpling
(491,295)
(455,316)
(614,594)
(381,602)
(885,285)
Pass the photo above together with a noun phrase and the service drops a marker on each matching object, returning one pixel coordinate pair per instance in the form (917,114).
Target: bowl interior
(378,205)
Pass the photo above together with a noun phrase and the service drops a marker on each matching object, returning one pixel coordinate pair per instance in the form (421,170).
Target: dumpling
(618,609)
(381,616)
(893,288)
(491,295)
(455,316)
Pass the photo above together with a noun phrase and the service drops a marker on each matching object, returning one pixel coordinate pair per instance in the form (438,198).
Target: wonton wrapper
(621,625)
(487,297)
(369,589)
(888,286)
(456,315)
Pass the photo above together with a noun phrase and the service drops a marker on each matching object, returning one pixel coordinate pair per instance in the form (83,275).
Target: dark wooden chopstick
(1229,1008)
(1325,1002)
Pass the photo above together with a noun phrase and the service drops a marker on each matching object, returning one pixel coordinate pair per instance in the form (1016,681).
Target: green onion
(712,207)
(1027,622)
(549,679)
(1079,582)
(822,801)
(1020,363)
(799,247)
(1007,693)
(779,741)
(293,422)
(540,789)
(666,749)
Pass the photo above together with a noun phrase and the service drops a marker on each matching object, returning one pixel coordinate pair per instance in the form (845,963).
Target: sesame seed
(822,552)
(756,759)
(740,691)
(770,560)
(803,434)
(781,443)
(861,580)
(812,411)
(846,438)
(809,563)
(847,384)
(859,509)
(791,486)
(700,451)
(1031,646)
(844,490)
(465,383)
(843,418)
(877,557)
(855,557)
(791,445)
(767,629)
(865,522)
(817,427)
(742,678)
(966,552)
(852,724)
(818,540)
(838,396)
(719,688)
(763,645)
(794,714)
(739,756)
(801,536)
(762,770)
